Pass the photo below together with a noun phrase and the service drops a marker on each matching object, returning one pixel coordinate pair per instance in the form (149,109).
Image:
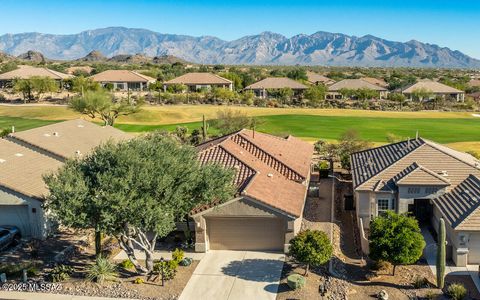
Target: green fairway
(370,128)
(22,123)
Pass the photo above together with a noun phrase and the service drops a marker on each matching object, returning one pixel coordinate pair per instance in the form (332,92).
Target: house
(272,178)
(262,87)
(26,156)
(474,83)
(375,81)
(316,79)
(436,89)
(123,80)
(335,90)
(475,96)
(26,72)
(428,180)
(199,81)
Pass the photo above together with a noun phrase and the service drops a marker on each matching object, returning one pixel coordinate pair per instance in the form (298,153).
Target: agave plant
(102,270)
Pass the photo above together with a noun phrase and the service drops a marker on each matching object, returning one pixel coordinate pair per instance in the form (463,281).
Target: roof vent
(237,167)
(80,126)
(78,153)
(46,134)
(270,175)
(2,161)
(55,133)
(444,173)
(18,154)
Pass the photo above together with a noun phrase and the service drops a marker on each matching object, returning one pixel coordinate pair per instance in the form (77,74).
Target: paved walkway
(235,275)
(430,253)
(46,296)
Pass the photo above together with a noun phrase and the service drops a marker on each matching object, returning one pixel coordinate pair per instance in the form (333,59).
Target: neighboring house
(199,81)
(375,81)
(272,178)
(475,96)
(335,90)
(26,156)
(123,80)
(474,83)
(428,180)
(26,72)
(316,79)
(262,87)
(436,89)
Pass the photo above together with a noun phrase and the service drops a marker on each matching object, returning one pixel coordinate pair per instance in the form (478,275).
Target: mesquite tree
(441,254)
(311,248)
(134,190)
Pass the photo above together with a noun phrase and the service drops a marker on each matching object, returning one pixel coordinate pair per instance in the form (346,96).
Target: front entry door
(421,209)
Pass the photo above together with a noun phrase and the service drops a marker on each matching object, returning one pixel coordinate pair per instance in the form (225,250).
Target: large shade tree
(396,238)
(135,190)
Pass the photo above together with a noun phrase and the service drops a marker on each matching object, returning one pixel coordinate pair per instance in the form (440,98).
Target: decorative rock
(24,276)
(383,295)
(3,278)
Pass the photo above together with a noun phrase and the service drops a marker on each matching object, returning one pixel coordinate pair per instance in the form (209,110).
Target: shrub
(432,294)
(15,270)
(177,255)
(126,264)
(420,282)
(60,273)
(101,270)
(311,248)
(185,262)
(381,265)
(296,281)
(32,271)
(139,281)
(456,291)
(167,267)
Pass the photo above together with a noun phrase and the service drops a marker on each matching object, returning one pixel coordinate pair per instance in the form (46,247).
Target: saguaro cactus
(204,129)
(441,254)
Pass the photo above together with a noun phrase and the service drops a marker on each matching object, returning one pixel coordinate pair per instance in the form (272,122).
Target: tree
(297,74)
(42,85)
(102,105)
(25,87)
(316,94)
(81,84)
(420,94)
(311,248)
(441,254)
(396,238)
(134,187)
(397,97)
(229,120)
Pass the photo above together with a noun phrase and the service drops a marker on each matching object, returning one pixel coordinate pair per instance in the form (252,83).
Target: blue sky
(454,24)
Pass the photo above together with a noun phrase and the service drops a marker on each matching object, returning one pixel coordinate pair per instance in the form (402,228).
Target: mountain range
(267,48)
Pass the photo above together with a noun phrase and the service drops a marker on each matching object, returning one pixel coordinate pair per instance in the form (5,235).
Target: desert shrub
(167,267)
(177,255)
(101,270)
(60,273)
(126,264)
(296,281)
(139,280)
(32,271)
(15,270)
(456,291)
(432,294)
(381,265)
(420,282)
(186,261)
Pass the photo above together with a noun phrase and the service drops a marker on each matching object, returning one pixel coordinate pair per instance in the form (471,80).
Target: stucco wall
(406,198)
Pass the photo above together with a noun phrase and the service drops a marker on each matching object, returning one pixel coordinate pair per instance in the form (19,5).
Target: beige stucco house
(27,72)
(335,90)
(123,80)
(436,89)
(262,87)
(272,177)
(198,81)
(27,155)
(316,79)
(428,180)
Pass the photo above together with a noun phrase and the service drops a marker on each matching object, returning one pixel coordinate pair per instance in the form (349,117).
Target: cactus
(296,281)
(204,128)
(441,254)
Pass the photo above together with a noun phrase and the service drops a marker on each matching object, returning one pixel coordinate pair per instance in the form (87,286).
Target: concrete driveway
(235,275)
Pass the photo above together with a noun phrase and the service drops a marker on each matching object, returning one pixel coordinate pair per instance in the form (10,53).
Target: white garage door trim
(16,215)
(246,233)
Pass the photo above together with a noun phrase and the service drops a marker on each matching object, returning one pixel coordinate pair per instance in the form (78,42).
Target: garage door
(16,215)
(474,249)
(246,233)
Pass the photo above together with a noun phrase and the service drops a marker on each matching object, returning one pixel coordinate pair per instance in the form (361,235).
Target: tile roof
(461,205)
(64,139)
(121,76)
(417,175)
(270,169)
(315,77)
(433,86)
(354,84)
(474,82)
(376,81)
(199,78)
(25,72)
(21,169)
(277,83)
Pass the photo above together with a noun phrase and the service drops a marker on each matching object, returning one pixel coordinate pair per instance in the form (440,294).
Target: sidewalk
(47,296)
(430,253)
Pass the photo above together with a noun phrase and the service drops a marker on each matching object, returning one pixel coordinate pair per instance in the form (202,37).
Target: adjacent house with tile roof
(26,156)
(436,89)
(272,177)
(316,79)
(428,180)
(26,72)
(335,90)
(123,80)
(261,88)
(198,81)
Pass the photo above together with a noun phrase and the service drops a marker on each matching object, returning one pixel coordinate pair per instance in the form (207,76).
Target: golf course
(460,130)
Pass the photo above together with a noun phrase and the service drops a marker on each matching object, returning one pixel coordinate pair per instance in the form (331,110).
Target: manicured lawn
(22,123)
(444,130)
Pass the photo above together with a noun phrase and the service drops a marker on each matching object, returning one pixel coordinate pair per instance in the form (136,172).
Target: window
(431,190)
(414,190)
(383,205)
